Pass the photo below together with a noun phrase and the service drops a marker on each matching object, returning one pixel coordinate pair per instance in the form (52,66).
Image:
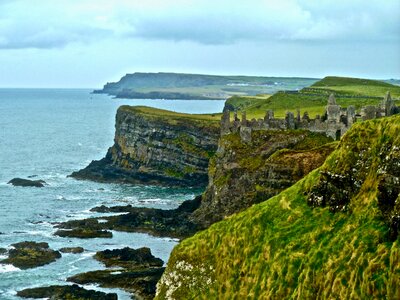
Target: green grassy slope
(285,248)
(348,91)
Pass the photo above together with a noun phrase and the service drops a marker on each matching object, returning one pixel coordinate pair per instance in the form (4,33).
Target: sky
(86,43)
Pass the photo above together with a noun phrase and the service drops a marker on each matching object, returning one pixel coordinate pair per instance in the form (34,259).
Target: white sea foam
(8,268)
(83,256)
(151,200)
(116,273)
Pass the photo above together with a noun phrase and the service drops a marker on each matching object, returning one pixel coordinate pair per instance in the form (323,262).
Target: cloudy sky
(85,43)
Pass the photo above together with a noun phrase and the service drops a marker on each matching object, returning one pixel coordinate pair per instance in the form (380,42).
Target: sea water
(47,134)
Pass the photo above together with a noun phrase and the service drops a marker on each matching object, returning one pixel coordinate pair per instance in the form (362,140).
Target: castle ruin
(334,123)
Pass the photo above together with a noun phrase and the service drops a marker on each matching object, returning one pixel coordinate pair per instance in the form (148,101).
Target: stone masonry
(335,122)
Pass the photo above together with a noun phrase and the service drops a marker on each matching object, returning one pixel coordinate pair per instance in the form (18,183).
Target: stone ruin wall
(334,123)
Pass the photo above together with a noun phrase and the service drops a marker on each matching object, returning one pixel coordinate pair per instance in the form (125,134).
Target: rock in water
(73,250)
(129,258)
(141,283)
(84,233)
(65,292)
(26,182)
(27,255)
(135,270)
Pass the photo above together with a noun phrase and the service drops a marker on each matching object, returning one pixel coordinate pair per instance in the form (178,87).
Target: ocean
(47,134)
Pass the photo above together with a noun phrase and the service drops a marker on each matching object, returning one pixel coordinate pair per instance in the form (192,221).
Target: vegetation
(313,99)
(285,248)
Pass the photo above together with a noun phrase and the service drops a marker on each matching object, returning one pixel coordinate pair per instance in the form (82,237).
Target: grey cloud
(334,21)
(56,24)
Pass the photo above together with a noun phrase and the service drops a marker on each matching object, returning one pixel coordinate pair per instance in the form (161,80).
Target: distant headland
(198,87)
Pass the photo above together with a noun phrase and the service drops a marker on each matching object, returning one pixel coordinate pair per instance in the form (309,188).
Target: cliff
(332,235)
(242,174)
(153,146)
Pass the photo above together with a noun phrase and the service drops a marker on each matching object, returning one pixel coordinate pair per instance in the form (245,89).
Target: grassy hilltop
(313,99)
(172,117)
(302,244)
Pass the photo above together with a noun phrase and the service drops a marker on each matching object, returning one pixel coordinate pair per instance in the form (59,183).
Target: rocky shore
(173,223)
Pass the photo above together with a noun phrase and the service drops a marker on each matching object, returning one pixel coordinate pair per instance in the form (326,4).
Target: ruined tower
(225,122)
(387,105)
(333,110)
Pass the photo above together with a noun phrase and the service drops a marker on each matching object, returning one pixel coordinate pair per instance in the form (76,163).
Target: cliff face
(332,235)
(242,174)
(153,146)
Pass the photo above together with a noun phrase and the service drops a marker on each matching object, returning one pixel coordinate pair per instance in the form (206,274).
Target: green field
(313,99)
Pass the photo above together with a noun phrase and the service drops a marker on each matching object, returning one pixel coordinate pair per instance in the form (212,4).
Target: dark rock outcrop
(157,147)
(27,255)
(65,292)
(26,182)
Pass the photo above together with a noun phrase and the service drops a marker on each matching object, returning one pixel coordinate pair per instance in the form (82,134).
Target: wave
(8,268)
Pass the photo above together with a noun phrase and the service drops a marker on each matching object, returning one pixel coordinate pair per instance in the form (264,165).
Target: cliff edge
(158,147)
(245,173)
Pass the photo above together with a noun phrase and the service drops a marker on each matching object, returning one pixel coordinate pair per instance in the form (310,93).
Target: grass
(348,91)
(161,113)
(285,249)
(202,121)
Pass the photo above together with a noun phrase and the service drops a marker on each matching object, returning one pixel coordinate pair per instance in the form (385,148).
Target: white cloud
(47,24)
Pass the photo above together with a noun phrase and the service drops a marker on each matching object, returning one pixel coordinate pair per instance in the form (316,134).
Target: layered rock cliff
(242,174)
(153,146)
(332,235)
